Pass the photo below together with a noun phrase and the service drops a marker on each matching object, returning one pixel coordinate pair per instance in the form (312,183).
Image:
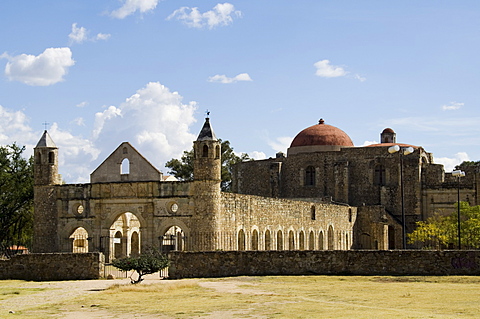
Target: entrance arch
(173,239)
(79,239)
(125,236)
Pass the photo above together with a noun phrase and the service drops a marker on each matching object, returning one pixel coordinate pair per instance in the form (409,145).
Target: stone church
(323,194)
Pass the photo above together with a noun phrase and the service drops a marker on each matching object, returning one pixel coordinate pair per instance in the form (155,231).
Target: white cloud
(45,69)
(366,143)
(82,104)
(79,121)
(154,120)
(257,155)
(450,163)
(221,15)
(281,144)
(80,35)
(326,70)
(224,79)
(452,106)
(131,6)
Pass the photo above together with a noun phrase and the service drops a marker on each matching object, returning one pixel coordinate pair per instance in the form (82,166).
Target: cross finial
(207,112)
(45,124)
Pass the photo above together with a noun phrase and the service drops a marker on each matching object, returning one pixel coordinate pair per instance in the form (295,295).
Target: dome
(323,135)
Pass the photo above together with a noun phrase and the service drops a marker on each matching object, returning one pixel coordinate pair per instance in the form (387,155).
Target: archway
(241,240)
(301,240)
(311,241)
(255,240)
(331,238)
(320,241)
(279,240)
(118,245)
(268,244)
(291,240)
(125,236)
(79,239)
(173,239)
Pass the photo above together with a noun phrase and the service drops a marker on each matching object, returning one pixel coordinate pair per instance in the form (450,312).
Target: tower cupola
(46,161)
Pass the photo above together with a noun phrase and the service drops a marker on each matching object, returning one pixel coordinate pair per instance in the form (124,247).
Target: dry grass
(286,297)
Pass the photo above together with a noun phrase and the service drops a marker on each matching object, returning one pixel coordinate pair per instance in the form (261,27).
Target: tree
(149,262)
(183,168)
(16,198)
(442,231)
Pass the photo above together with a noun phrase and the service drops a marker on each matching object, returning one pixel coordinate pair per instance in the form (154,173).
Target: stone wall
(58,266)
(366,262)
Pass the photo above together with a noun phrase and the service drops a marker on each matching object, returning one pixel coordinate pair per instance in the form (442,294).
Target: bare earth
(63,290)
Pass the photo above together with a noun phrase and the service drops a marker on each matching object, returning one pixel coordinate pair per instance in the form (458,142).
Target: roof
(322,134)
(46,141)
(392,144)
(207,134)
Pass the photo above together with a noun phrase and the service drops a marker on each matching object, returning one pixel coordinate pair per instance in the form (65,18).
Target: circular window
(174,207)
(80,209)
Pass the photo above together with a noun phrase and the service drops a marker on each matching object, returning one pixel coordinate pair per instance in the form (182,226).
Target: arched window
(205,151)
(311,241)
(80,240)
(312,213)
(301,240)
(268,243)
(39,158)
(51,158)
(291,240)
(331,238)
(279,240)
(320,241)
(241,240)
(310,176)
(255,240)
(125,150)
(379,178)
(125,166)
(217,152)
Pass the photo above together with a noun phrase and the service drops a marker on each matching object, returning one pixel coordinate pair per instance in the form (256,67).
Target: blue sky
(145,71)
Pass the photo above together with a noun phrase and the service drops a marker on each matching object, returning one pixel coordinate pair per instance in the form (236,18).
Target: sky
(98,73)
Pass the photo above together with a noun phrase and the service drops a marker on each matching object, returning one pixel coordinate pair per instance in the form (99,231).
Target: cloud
(79,121)
(257,155)
(45,69)
(450,163)
(281,144)
(366,143)
(221,15)
(326,70)
(131,6)
(82,104)
(224,79)
(452,106)
(80,35)
(154,120)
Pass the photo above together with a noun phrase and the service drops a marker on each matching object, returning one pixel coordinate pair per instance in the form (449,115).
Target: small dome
(388,130)
(322,134)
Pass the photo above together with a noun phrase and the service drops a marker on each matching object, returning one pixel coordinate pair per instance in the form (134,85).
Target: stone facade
(128,207)
(364,177)
(351,262)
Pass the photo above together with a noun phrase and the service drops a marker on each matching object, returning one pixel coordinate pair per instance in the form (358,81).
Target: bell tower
(206,188)
(45,172)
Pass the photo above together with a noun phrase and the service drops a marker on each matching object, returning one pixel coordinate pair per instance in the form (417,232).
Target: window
(310,176)
(312,213)
(379,178)
(291,240)
(279,240)
(255,240)
(205,151)
(217,152)
(241,240)
(267,240)
(51,158)
(125,166)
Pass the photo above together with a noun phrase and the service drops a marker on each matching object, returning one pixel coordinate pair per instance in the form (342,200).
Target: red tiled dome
(322,134)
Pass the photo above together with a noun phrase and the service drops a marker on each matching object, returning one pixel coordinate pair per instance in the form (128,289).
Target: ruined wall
(58,266)
(348,262)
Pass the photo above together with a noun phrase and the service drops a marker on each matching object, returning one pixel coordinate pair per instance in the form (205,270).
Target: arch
(279,240)
(173,239)
(291,240)
(118,245)
(310,176)
(268,240)
(39,158)
(330,238)
(313,214)
(320,241)
(217,152)
(125,166)
(241,240)
(255,240)
(311,240)
(135,242)
(125,150)
(205,150)
(301,240)
(79,238)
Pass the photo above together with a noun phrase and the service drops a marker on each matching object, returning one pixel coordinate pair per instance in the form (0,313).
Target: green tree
(149,262)
(442,231)
(16,198)
(183,168)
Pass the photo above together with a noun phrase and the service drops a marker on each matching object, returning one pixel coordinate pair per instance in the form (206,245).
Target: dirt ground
(63,290)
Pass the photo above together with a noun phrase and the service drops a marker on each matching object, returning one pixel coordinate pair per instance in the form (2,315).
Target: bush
(149,262)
